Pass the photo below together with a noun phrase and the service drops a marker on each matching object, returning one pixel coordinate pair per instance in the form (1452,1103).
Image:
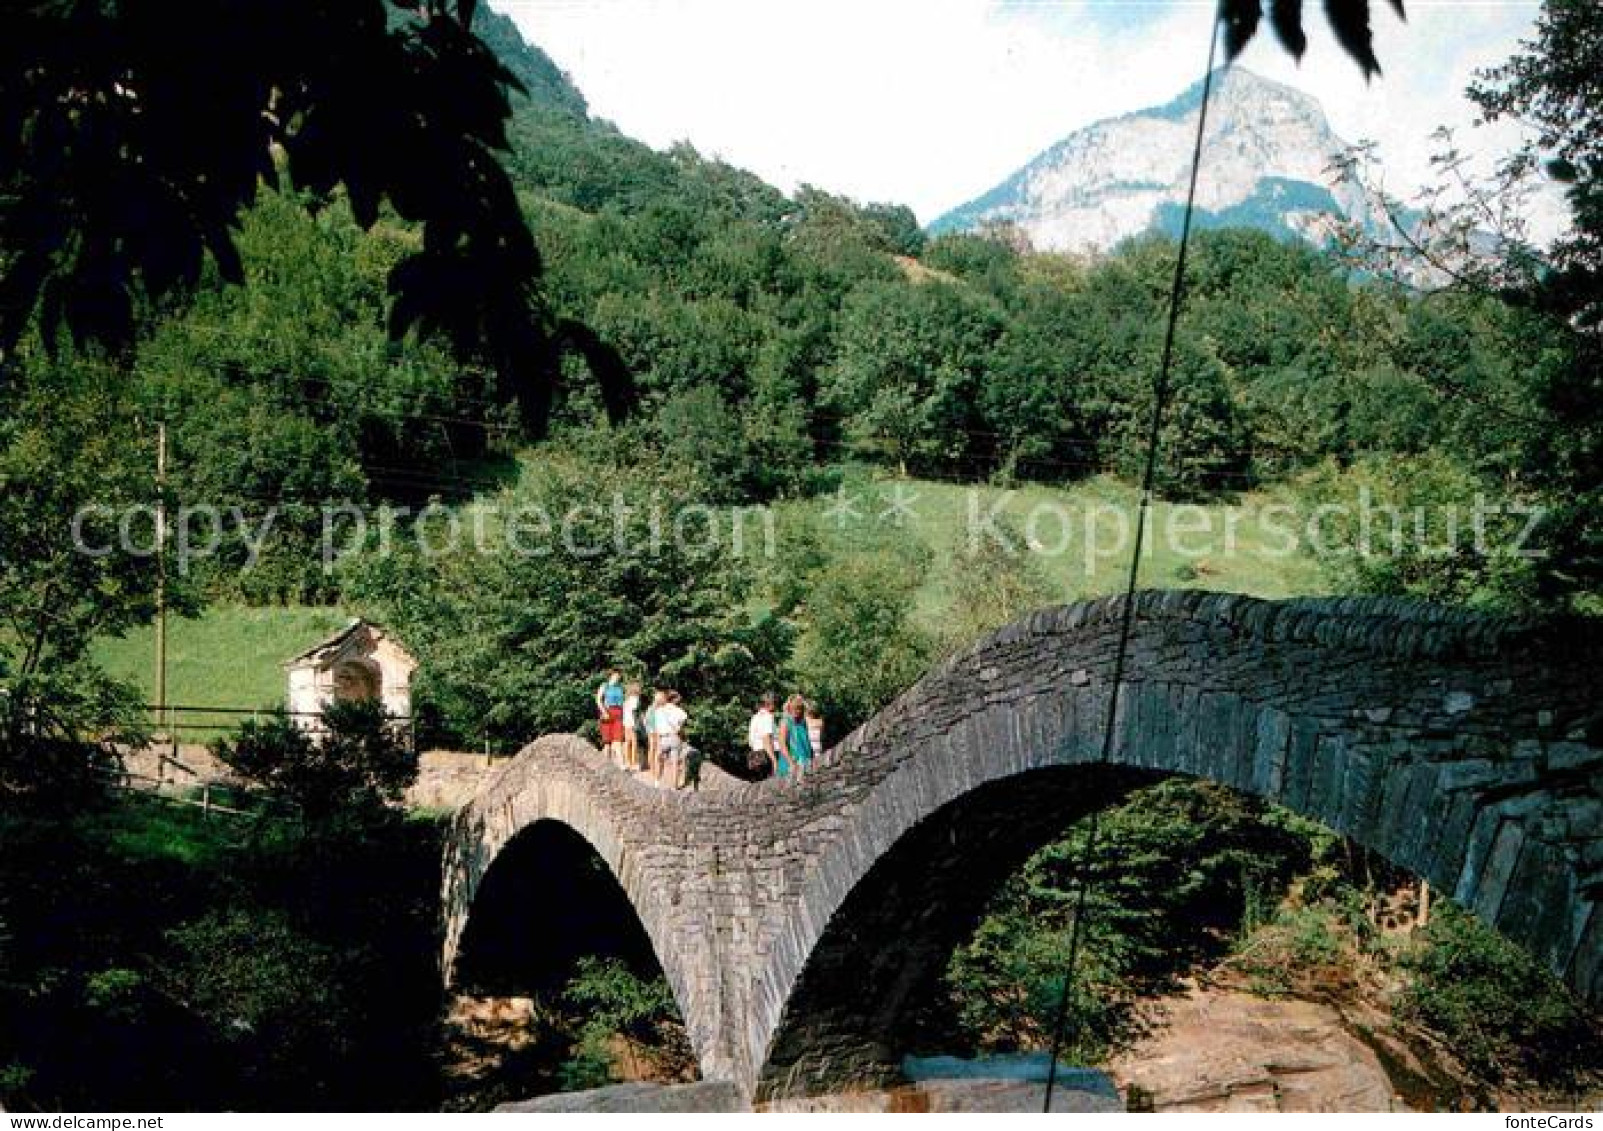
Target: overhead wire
(1161,389)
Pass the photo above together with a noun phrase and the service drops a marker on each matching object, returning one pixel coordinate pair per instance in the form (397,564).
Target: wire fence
(163,769)
(209,797)
(174,720)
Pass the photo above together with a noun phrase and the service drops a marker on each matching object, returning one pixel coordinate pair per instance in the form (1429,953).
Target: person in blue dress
(795,744)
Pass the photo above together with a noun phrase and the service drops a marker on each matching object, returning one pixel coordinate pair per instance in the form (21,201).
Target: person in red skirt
(609,705)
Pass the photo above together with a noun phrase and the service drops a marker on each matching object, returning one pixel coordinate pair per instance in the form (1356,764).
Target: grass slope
(1078,531)
(229,656)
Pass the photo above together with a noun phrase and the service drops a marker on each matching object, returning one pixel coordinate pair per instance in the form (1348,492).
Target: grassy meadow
(229,656)
(1083,537)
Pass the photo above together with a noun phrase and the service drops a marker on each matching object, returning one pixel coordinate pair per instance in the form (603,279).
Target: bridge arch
(858,1004)
(548,902)
(1463,748)
(574,789)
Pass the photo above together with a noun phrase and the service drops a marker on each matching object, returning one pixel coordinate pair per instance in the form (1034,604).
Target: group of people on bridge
(652,742)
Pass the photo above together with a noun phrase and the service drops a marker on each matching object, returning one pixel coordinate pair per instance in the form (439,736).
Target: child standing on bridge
(631,728)
(669,721)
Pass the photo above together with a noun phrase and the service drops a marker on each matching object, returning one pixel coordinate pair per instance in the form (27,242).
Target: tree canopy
(132,138)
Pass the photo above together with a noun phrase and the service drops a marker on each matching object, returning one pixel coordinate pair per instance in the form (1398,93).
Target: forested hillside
(761,339)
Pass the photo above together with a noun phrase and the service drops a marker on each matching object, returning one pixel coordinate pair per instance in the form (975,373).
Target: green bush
(993,585)
(1407,526)
(613,1003)
(156,959)
(1296,941)
(357,764)
(1496,1007)
(859,647)
(269,996)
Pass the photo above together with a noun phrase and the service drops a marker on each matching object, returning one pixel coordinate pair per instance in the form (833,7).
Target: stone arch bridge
(802,926)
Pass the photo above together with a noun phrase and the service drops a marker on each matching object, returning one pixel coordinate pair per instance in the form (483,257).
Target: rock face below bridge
(972,1095)
(1231,1051)
(803,926)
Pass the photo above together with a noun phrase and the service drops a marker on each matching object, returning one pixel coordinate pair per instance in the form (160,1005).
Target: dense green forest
(700,339)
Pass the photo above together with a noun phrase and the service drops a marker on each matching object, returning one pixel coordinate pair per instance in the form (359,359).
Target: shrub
(993,585)
(358,763)
(860,648)
(269,996)
(618,1004)
(1495,1006)
(1409,526)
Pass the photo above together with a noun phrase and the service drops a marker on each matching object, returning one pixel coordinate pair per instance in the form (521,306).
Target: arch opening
(874,989)
(552,930)
(548,901)
(356,681)
(871,989)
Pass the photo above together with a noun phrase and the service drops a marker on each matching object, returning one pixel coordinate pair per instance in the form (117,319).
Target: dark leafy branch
(132,138)
(1349,20)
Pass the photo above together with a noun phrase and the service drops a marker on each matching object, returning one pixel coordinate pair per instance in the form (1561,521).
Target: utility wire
(1127,617)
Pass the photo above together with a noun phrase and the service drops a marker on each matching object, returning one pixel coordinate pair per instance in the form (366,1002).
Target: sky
(931,102)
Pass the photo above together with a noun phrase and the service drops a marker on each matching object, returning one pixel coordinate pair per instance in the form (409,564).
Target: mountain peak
(1230,81)
(1266,159)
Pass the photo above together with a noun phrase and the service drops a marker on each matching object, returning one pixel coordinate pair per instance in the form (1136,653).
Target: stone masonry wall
(1464,748)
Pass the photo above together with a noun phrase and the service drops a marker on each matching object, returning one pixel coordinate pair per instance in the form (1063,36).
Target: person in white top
(815,730)
(669,722)
(631,728)
(760,736)
(659,700)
